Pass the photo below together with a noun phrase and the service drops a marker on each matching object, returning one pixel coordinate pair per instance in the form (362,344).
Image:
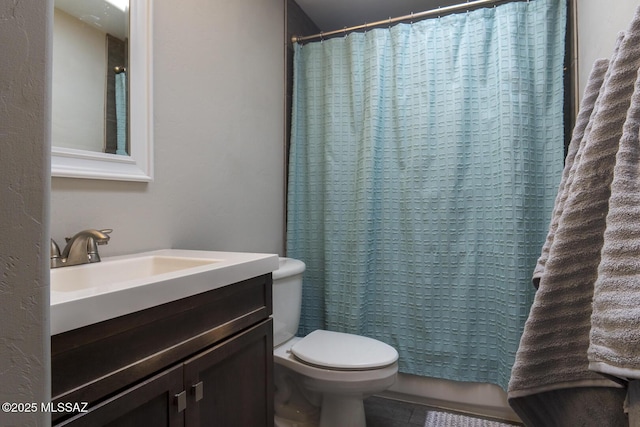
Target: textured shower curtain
(424,163)
(121,114)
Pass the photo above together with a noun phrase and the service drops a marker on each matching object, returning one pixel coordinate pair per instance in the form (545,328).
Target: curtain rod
(433,12)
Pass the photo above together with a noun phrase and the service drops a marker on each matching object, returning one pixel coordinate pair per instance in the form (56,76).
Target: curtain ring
(389,24)
(344,30)
(411,18)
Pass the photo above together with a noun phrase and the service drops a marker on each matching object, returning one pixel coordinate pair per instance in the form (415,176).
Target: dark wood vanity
(204,360)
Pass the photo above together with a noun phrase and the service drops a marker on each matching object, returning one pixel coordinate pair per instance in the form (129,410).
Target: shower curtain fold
(424,163)
(121,114)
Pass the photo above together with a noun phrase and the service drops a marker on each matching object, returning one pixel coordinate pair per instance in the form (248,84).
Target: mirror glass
(101,90)
(90,45)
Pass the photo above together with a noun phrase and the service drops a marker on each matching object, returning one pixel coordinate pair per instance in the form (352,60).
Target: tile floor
(381,412)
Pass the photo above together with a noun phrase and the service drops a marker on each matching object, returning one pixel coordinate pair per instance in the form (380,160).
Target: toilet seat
(340,351)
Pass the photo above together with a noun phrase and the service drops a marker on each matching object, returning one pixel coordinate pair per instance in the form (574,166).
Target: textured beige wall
(219,113)
(599,23)
(24,188)
(219,141)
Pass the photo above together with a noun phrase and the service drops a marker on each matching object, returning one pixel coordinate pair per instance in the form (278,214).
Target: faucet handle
(92,248)
(54,258)
(107,232)
(55,249)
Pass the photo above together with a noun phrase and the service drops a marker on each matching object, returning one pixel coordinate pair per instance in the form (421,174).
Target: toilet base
(282,422)
(344,411)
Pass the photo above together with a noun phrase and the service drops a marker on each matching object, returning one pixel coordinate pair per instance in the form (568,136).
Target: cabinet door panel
(150,403)
(236,381)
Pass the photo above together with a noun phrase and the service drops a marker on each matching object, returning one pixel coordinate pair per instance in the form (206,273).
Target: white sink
(86,294)
(113,271)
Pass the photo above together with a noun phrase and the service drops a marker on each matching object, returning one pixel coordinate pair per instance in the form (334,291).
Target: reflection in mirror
(90,53)
(101,90)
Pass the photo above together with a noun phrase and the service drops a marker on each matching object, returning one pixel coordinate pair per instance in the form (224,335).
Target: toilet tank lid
(337,350)
(289,267)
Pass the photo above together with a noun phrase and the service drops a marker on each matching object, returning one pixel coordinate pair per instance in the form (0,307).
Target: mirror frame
(73,163)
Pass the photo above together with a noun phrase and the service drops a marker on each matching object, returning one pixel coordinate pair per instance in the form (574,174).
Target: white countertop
(72,309)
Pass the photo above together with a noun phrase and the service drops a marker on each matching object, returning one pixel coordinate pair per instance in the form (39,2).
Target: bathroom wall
(219,152)
(298,24)
(74,124)
(599,23)
(219,139)
(24,184)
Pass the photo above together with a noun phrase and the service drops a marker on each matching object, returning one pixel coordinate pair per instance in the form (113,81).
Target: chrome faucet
(80,249)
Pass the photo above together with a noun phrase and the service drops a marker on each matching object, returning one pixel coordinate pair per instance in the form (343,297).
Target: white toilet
(323,378)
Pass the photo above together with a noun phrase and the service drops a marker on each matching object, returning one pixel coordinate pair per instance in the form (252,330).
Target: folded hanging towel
(561,307)
(582,128)
(591,100)
(553,349)
(615,321)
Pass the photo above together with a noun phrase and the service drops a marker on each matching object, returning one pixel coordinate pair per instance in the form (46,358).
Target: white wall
(219,73)
(599,23)
(219,150)
(78,84)
(24,186)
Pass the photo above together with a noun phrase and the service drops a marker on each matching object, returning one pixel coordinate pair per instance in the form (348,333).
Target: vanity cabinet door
(150,403)
(231,384)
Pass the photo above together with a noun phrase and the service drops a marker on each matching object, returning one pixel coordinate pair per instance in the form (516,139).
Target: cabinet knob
(198,391)
(181,401)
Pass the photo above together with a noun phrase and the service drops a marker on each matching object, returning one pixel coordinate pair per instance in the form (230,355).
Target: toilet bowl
(322,379)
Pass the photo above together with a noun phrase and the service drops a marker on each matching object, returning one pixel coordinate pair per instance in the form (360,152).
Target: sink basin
(110,272)
(91,293)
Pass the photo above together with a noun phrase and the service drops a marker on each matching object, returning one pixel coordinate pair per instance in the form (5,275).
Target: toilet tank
(287,299)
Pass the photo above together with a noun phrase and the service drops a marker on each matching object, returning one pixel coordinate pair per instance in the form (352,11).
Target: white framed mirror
(80,144)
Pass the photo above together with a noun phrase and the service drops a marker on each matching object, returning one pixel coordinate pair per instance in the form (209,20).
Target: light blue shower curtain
(121,114)
(424,163)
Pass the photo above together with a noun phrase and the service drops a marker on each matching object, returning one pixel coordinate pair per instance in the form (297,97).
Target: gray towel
(553,349)
(581,130)
(615,322)
(591,101)
(552,352)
